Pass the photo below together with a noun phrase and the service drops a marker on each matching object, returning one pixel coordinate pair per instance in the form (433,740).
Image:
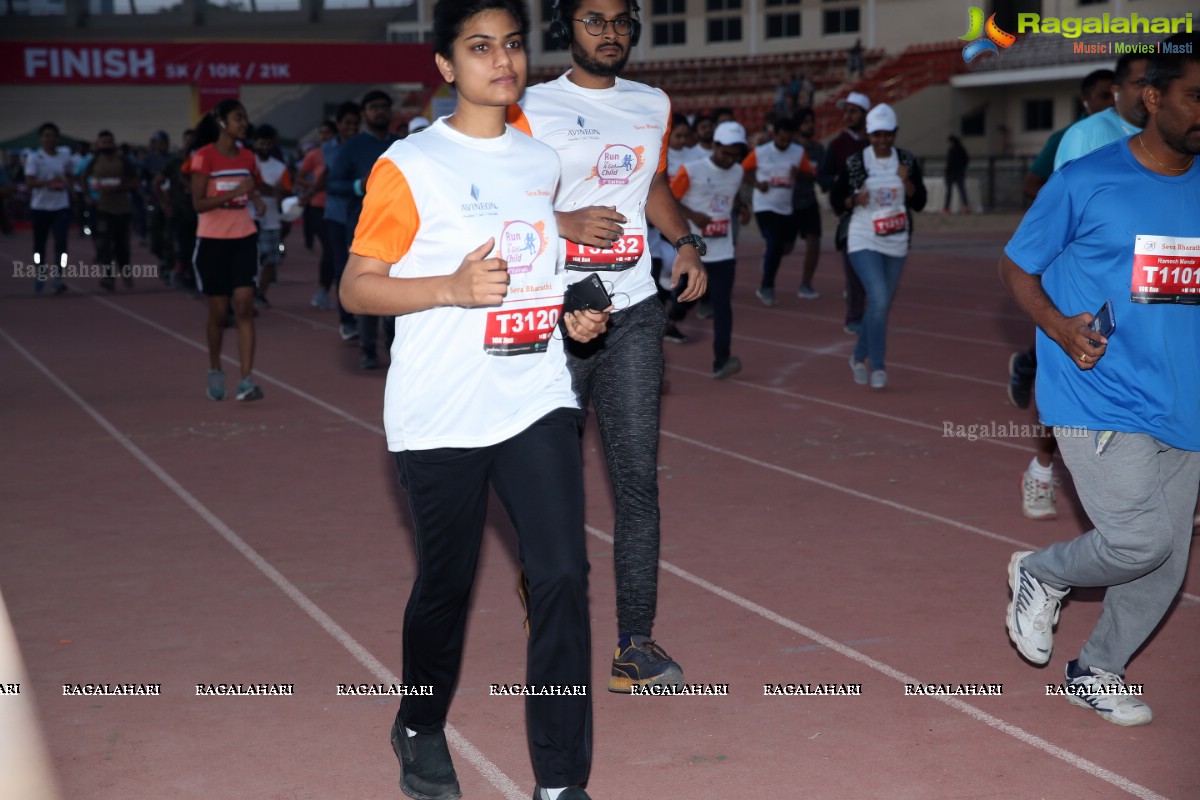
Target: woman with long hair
(881,186)
(225,183)
(465,255)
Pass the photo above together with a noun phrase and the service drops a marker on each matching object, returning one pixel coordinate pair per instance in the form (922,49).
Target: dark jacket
(840,148)
(354,161)
(853,177)
(957,160)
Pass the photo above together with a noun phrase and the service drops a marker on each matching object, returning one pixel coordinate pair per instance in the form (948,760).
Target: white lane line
(374,428)
(757,307)
(472,754)
(258,374)
(994,722)
(1024,446)
(841,349)
(1018,733)
(864,495)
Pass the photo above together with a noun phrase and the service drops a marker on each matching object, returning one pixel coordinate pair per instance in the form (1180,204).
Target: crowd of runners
(411,250)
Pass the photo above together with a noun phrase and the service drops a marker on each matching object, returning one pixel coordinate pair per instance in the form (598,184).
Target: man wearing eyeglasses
(611,136)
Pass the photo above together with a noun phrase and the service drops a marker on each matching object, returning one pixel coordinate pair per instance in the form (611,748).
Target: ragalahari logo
(996,38)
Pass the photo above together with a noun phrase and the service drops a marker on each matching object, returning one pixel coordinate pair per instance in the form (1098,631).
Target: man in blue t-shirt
(349,115)
(347,180)
(1125,118)
(1118,225)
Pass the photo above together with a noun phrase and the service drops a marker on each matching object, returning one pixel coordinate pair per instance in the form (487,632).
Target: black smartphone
(587,294)
(583,295)
(1104,323)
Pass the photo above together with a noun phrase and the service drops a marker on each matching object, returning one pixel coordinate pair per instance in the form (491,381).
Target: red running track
(814,531)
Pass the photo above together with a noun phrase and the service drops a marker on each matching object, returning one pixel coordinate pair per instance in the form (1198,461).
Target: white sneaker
(732,366)
(1032,612)
(878,379)
(807,293)
(1106,694)
(766,296)
(1037,498)
(859,368)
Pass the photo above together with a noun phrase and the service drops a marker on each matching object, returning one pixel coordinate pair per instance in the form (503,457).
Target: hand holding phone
(1104,323)
(587,295)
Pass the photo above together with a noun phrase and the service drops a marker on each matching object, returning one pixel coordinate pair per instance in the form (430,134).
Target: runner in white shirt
(275,175)
(773,168)
(47,174)
(881,187)
(664,251)
(611,137)
(708,191)
(457,238)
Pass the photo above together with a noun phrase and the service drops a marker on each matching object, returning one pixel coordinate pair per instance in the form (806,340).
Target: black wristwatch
(695,241)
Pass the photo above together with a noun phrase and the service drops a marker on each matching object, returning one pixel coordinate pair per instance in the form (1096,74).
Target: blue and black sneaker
(639,661)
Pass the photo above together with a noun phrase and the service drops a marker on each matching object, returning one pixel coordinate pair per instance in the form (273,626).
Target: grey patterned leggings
(620,376)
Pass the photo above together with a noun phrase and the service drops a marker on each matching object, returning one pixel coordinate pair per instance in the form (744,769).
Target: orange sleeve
(666,143)
(389,220)
(750,162)
(806,165)
(680,183)
(516,117)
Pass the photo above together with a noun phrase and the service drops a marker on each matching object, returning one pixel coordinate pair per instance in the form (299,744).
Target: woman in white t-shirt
(458,241)
(882,186)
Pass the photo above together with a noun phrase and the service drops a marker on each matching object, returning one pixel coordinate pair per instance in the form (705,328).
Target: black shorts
(808,221)
(223,265)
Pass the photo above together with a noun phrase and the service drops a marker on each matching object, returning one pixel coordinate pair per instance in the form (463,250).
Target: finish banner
(215,62)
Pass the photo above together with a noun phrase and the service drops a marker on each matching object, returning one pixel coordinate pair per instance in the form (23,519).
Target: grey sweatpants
(1141,495)
(620,375)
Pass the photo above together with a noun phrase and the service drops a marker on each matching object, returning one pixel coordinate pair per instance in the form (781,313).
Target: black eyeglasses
(596,26)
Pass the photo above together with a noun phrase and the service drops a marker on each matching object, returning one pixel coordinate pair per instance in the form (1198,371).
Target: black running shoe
(426,771)
(639,661)
(674,335)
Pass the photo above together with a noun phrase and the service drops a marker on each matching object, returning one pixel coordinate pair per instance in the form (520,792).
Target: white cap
(729,132)
(290,209)
(417,124)
(881,118)
(856,99)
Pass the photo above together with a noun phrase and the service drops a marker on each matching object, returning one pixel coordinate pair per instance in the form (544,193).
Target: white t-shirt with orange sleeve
(774,167)
(611,142)
(703,186)
(469,377)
